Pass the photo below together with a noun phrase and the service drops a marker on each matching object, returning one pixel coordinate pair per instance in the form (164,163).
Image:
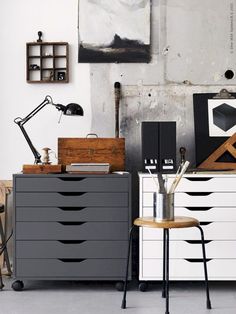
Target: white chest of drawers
(211,198)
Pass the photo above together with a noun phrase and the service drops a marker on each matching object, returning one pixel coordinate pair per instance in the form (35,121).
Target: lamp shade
(73,109)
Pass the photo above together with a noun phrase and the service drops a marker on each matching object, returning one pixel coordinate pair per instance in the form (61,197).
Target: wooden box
(37,169)
(92,150)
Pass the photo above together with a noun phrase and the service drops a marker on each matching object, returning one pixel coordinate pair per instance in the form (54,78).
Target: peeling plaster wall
(192,46)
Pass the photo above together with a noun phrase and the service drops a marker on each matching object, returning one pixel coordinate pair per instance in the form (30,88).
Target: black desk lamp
(71,109)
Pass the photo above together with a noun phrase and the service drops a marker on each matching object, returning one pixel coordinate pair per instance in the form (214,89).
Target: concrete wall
(192,48)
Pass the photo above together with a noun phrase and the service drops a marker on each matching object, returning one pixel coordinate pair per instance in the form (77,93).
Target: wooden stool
(178,222)
(3,248)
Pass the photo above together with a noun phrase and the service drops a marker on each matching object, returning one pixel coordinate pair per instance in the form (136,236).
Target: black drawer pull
(71,193)
(71,260)
(197,241)
(198,208)
(71,241)
(197,260)
(71,208)
(198,179)
(198,193)
(71,179)
(205,223)
(71,223)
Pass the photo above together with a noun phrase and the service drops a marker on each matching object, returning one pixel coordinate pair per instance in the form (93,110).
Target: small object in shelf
(40,34)
(48,78)
(34,66)
(61,76)
(47,54)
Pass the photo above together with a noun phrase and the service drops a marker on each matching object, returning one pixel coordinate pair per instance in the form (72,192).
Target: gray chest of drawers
(71,227)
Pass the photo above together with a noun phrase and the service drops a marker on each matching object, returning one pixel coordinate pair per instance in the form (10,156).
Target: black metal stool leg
(164,265)
(205,268)
(123,304)
(167,271)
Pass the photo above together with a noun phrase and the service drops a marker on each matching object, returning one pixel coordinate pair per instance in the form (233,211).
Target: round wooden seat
(178,222)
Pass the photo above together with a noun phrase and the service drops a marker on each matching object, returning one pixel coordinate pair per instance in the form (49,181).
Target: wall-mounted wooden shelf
(47,62)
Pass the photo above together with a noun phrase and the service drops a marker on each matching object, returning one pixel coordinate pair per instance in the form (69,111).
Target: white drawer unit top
(193,183)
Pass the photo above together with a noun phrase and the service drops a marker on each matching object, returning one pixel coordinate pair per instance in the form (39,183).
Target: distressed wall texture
(192,48)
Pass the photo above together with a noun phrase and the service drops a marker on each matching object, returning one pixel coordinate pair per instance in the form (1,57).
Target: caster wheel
(17,285)
(143,286)
(120,286)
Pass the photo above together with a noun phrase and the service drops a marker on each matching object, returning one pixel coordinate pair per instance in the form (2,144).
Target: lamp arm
(47,100)
(20,122)
(36,154)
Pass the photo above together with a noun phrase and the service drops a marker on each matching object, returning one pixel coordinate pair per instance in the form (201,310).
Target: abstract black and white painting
(222,117)
(114,31)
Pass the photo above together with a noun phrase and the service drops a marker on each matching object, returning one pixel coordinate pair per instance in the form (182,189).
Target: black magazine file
(205,145)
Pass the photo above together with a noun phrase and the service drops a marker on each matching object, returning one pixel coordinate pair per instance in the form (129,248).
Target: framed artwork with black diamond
(222,117)
(214,123)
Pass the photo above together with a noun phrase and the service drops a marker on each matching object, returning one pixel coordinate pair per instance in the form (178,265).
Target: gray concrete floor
(57,297)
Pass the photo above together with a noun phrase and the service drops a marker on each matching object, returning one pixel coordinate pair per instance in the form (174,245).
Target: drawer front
(212,231)
(72,199)
(71,231)
(195,184)
(70,268)
(211,199)
(71,184)
(72,214)
(180,269)
(190,249)
(203,200)
(201,213)
(71,249)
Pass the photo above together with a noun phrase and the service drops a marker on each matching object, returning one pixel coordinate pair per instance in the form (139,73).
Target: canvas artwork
(222,117)
(114,31)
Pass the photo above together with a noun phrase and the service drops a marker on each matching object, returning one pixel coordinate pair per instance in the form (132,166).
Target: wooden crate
(42,169)
(94,150)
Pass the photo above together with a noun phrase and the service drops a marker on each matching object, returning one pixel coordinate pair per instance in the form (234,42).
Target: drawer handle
(198,208)
(205,223)
(198,179)
(71,208)
(198,193)
(71,193)
(197,260)
(71,179)
(71,260)
(71,223)
(197,241)
(71,241)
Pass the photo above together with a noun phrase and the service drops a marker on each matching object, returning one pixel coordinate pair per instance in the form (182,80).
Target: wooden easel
(211,162)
